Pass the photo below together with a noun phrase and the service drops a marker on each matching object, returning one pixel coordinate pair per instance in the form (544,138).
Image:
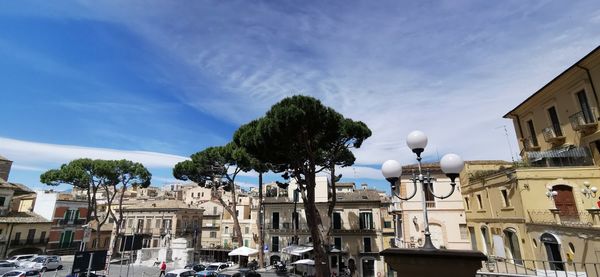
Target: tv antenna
(508,142)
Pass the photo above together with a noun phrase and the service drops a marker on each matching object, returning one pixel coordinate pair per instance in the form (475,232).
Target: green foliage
(214,162)
(300,132)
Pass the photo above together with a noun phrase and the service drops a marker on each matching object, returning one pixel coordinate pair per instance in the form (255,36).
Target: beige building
(447,221)
(544,208)
(358,228)
(163,221)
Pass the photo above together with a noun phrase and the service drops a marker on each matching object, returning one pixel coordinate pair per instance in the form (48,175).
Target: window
(554,120)
(17,238)
(367,244)
(157,225)
(167,224)
(246,242)
(2,201)
(387,224)
(275,220)
(214,210)
(463,231)
(585,107)
(130,223)
(30,236)
(337,221)
(505,198)
(226,230)
(213,234)
(366,221)
(429,198)
(337,241)
(106,242)
(532,134)
(275,244)
(479,203)
(467,204)
(246,230)
(43,237)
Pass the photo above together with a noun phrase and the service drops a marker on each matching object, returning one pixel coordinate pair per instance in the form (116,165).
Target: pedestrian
(163,268)
(598,203)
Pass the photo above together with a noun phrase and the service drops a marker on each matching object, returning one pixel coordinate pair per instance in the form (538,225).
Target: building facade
(544,208)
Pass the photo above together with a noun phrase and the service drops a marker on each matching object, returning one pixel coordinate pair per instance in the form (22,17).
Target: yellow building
(544,208)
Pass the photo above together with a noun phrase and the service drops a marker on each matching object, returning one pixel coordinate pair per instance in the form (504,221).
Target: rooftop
(23,217)
(19,189)
(3,158)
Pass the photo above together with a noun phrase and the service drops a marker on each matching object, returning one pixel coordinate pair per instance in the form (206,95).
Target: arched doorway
(351,266)
(552,247)
(565,203)
(437,235)
(511,243)
(275,259)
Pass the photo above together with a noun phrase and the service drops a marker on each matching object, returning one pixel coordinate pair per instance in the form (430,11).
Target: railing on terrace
(556,217)
(582,120)
(552,133)
(498,266)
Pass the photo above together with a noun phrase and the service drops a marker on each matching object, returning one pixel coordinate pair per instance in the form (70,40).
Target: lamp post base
(433,262)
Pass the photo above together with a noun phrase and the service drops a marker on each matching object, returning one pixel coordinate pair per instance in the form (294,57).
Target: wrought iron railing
(583,119)
(570,219)
(552,132)
(498,266)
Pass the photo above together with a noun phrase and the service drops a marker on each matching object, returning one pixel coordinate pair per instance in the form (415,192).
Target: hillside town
(540,213)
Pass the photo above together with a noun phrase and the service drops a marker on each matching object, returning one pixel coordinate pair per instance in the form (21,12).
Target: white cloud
(28,154)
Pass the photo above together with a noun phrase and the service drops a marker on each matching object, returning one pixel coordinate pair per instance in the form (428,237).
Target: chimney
(364,186)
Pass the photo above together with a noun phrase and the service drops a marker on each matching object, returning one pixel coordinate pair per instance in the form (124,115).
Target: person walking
(163,268)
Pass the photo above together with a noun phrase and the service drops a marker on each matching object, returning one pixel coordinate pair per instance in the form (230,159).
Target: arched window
(511,243)
(486,239)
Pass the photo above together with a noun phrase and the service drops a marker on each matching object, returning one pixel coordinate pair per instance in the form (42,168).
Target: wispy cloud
(28,153)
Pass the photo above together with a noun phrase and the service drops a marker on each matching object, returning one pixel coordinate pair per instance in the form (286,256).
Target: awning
(564,152)
(297,250)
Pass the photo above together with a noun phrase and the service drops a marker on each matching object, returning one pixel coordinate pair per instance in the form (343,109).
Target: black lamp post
(451,164)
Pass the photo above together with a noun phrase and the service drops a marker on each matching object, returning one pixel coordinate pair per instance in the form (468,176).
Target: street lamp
(451,165)
(589,192)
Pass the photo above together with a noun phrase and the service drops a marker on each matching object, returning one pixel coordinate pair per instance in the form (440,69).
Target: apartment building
(544,208)
(67,216)
(21,232)
(357,236)
(163,221)
(447,221)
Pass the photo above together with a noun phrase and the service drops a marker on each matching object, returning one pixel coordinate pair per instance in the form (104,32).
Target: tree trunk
(331,207)
(261,239)
(237,230)
(313,220)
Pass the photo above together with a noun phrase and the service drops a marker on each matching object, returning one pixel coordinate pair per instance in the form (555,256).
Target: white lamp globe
(416,140)
(452,164)
(594,189)
(391,169)
(554,193)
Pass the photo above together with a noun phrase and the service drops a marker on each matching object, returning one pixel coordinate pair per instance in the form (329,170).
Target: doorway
(565,203)
(368,268)
(553,251)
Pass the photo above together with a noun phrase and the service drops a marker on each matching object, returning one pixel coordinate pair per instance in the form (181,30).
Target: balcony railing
(584,121)
(530,144)
(556,217)
(27,242)
(499,266)
(69,222)
(553,134)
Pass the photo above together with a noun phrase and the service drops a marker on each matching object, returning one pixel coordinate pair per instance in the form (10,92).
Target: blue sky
(157,81)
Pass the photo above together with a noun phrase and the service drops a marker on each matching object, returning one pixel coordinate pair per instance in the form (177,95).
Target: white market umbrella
(305,262)
(243,251)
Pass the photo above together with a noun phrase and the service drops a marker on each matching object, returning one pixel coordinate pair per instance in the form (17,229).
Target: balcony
(585,122)
(556,217)
(34,242)
(71,222)
(530,144)
(553,135)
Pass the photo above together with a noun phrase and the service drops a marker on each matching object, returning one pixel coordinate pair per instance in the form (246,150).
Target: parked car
(6,266)
(18,259)
(216,267)
(44,263)
(196,267)
(22,273)
(206,273)
(181,273)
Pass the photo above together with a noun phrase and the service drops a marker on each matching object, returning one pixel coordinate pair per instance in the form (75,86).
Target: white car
(181,273)
(44,263)
(6,266)
(216,267)
(18,259)
(22,273)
